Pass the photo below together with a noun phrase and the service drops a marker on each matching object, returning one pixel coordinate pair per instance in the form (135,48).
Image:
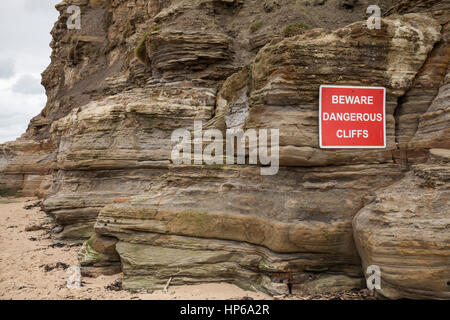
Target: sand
(29,266)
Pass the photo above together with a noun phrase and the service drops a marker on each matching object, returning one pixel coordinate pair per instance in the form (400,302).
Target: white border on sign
(351,147)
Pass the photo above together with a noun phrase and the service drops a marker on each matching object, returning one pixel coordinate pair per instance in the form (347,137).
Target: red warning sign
(352,117)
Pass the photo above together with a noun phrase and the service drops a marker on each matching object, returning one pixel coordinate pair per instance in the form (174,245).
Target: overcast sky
(25,27)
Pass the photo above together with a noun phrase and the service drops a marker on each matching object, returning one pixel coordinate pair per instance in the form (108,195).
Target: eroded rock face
(194,211)
(434,125)
(389,57)
(101,148)
(99,256)
(415,106)
(405,232)
(188,51)
(26,165)
(168,225)
(118,147)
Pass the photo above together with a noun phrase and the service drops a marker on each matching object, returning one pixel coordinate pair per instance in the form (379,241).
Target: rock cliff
(100,151)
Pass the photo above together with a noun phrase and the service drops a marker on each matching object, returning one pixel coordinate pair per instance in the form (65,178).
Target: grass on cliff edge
(294,29)
(255,26)
(140,51)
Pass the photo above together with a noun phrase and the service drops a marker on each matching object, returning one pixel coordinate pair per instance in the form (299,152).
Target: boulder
(404,232)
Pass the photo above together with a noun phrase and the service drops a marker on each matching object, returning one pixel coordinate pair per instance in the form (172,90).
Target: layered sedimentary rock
(188,51)
(405,232)
(188,204)
(25,166)
(286,77)
(416,102)
(433,130)
(99,256)
(118,147)
(275,216)
(138,70)
(135,108)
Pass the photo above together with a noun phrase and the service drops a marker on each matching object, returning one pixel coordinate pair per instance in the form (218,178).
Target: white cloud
(16,110)
(28,84)
(25,27)
(6,68)
(38,5)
